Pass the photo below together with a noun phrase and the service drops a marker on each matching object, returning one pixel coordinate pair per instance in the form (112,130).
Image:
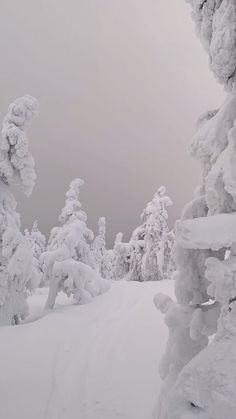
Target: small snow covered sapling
(17,272)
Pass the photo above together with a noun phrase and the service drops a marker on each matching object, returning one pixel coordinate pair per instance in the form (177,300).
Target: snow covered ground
(94,361)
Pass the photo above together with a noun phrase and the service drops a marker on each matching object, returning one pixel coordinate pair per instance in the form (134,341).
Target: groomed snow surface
(93,361)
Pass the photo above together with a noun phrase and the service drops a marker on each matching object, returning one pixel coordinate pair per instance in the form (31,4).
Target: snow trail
(95,361)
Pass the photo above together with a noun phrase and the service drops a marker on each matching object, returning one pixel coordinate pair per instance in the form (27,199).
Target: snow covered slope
(94,361)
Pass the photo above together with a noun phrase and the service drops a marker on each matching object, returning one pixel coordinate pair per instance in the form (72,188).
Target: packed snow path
(95,361)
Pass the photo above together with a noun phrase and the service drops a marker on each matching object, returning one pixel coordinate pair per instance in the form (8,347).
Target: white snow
(208,382)
(212,232)
(216,27)
(93,361)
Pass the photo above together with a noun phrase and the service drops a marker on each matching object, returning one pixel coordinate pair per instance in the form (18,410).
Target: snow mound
(206,387)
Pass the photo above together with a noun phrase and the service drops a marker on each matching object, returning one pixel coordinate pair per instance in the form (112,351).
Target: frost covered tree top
(216,27)
(118,239)
(72,208)
(157,206)
(16,162)
(102,226)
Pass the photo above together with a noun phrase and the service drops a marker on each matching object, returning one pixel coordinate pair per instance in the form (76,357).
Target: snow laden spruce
(37,242)
(98,245)
(18,271)
(148,254)
(111,263)
(199,380)
(69,264)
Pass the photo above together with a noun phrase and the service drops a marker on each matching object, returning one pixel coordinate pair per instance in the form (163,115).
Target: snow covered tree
(198,379)
(136,258)
(137,251)
(167,247)
(99,244)
(150,242)
(118,239)
(17,273)
(115,262)
(121,257)
(155,220)
(122,260)
(38,240)
(109,266)
(37,243)
(72,214)
(216,27)
(68,264)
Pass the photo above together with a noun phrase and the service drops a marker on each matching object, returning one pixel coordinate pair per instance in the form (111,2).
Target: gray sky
(120,85)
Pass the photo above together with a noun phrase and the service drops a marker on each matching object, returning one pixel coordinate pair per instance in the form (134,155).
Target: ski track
(96,361)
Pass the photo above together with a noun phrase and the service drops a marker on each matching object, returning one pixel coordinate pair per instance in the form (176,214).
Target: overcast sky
(120,85)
